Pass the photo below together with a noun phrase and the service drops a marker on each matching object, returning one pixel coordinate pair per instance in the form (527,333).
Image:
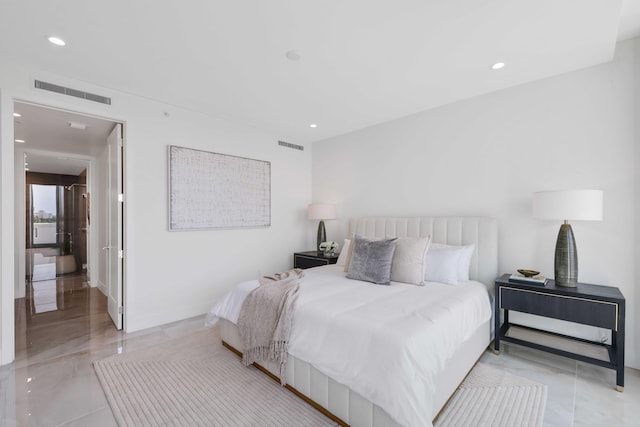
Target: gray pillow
(371,260)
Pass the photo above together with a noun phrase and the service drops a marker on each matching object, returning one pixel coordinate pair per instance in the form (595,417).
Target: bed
(344,314)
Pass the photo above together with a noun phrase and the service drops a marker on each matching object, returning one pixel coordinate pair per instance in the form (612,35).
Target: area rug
(490,397)
(158,387)
(194,381)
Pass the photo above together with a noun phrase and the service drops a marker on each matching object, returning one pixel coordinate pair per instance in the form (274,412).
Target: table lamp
(322,212)
(575,205)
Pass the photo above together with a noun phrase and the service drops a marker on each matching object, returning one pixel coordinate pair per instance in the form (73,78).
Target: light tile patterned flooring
(52,381)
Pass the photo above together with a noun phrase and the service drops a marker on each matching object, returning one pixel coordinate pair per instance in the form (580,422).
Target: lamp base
(568,284)
(566,258)
(322,236)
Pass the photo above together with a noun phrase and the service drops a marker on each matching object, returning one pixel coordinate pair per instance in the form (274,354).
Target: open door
(114,248)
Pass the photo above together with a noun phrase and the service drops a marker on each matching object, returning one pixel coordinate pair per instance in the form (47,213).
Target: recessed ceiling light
(497,65)
(292,55)
(17,115)
(20,141)
(313,125)
(57,41)
(62,158)
(77,125)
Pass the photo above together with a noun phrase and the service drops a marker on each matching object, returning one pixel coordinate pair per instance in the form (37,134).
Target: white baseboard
(102,287)
(136,323)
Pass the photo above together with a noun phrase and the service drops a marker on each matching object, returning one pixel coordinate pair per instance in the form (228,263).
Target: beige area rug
(489,397)
(194,381)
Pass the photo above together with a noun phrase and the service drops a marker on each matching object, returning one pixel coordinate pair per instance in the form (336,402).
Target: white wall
(634,305)
(487,155)
(6,229)
(168,275)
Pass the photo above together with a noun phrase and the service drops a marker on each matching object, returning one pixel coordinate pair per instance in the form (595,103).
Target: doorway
(62,270)
(56,224)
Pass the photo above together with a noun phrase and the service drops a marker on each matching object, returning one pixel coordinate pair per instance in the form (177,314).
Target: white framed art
(215,191)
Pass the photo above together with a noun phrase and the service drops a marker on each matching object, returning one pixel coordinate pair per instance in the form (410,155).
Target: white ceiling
(47,130)
(362,62)
(44,163)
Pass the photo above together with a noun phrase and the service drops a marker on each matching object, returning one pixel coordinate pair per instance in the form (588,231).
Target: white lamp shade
(321,211)
(575,205)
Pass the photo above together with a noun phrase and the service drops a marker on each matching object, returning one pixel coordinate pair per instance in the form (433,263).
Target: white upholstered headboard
(483,232)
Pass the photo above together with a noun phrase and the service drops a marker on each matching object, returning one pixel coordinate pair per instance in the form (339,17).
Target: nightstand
(594,305)
(312,259)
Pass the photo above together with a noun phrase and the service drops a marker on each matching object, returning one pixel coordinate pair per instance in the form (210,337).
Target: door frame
(10,254)
(115,218)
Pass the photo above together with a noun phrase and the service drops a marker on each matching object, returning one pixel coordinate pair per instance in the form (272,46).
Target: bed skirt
(348,407)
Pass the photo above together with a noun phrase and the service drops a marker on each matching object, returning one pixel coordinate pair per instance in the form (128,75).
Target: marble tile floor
(578,394)
(52,382)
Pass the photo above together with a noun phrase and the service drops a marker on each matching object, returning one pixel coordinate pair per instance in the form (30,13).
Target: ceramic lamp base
(566,258)
(322,236)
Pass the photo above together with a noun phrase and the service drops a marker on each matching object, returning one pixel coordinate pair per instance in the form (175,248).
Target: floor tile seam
(84,415)
(575,392)
(559,369)
(107,341)
(56,358)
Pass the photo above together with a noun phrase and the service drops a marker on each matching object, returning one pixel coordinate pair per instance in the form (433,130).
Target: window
(44,214)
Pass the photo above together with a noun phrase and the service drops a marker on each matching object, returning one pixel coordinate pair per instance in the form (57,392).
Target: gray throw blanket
(264,323)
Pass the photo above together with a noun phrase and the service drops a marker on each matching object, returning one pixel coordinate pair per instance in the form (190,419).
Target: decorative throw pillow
(408,260)
(371,260)
(347,261)
(344,253)
(448,263)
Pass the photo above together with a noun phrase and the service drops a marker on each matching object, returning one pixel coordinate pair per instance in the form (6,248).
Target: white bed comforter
(387,343)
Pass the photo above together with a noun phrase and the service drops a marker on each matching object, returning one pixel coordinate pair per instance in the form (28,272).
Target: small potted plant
(329,248)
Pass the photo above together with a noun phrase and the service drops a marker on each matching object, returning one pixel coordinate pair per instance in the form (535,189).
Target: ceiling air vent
(290,145)
(72,92)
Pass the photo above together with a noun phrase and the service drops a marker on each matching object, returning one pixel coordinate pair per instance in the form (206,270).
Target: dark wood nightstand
(595,305)
(312,259)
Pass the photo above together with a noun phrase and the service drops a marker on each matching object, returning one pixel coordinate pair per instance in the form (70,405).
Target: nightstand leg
(617,341)
(498,326)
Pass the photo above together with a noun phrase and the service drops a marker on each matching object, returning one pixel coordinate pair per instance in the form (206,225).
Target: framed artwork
(217,191)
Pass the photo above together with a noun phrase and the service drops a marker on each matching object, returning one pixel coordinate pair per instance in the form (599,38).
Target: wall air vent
(72,92)
(290,145)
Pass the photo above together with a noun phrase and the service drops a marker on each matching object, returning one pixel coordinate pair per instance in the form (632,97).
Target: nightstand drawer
(573,309)
(312,259)
(302,261)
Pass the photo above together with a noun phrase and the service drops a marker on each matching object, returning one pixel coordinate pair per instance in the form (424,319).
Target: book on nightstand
(539,280)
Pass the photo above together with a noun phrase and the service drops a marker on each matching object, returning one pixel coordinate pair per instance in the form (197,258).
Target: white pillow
(464,263)
(408,260)
(441,263)
(344,253)
(445,255)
